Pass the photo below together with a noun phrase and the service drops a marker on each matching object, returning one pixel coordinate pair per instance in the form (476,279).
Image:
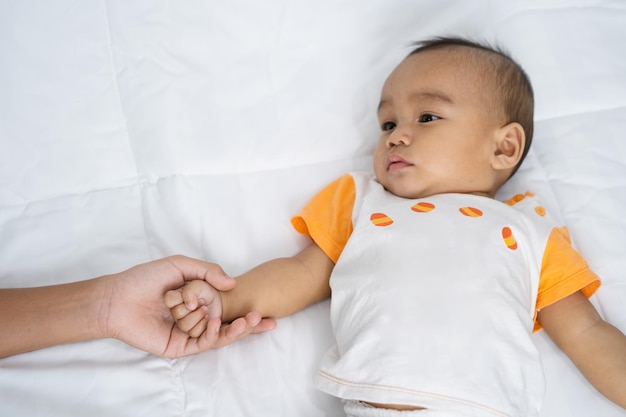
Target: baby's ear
(510,140)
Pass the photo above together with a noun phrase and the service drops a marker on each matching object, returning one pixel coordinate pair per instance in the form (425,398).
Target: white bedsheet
(132,130)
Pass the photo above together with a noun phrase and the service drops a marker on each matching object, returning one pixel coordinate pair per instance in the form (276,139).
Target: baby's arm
(282,286)
(596,347)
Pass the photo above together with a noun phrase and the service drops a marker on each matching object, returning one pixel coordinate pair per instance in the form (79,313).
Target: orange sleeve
(563,272)
(327,217)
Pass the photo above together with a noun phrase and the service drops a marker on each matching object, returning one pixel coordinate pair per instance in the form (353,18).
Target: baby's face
(437,131)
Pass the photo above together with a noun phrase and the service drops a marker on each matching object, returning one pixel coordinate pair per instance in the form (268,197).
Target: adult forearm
(34,318)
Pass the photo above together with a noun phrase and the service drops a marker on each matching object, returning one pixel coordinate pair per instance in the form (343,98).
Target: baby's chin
(403,191)
(413,193)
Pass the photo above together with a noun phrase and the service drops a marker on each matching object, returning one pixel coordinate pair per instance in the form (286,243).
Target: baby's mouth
(395,163)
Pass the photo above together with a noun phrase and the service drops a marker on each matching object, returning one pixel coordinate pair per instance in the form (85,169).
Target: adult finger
(212,273)
(242,327)
(264,325)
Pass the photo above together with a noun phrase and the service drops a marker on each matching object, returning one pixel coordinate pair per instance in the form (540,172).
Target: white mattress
(132,130)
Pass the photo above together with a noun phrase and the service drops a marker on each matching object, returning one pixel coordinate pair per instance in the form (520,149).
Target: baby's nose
(400,136)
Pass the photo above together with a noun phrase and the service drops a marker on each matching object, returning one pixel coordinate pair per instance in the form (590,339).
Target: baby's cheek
(379,165)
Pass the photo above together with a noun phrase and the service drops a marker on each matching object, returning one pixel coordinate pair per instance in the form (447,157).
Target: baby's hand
(194,306)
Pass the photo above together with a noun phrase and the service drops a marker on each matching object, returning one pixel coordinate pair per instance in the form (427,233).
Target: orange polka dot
(380,219)
(515,199)
(509,240)
(470,211)
(423,207)
(540,210)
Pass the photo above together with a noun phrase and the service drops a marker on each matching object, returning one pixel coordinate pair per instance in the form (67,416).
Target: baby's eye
(425,118)
(386,126)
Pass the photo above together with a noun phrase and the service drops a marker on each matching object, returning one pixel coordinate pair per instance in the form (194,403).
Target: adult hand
(135,313)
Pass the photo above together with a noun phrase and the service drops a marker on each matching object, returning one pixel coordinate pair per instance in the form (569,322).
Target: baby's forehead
(469,63)
(458,70)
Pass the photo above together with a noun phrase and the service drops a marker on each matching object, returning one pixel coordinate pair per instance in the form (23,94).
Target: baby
(436,286)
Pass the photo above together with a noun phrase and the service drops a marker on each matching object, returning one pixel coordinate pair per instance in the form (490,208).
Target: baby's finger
(210,336)
(199,328)
(179,311)
(191,293)
(192,319)
(173,298)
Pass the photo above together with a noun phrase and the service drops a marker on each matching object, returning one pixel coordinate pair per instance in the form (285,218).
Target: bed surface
(130,131)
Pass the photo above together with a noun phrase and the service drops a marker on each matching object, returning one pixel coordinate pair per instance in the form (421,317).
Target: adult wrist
(102,320)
